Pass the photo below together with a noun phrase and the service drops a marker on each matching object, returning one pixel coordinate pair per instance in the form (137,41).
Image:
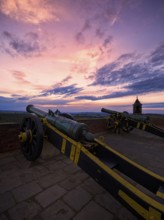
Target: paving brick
(3,217)
(26,176)
(123,213)
(51,179)
(24,210)
(50,195)
(67,161)
(58,211)
(71,168)
(22,161)
(6,201)
(7,160)
(9,180)
(12,166)
(32,173)
(77,198)
(108,202)
(39,171)
(92,187)
(26,191)
(55,165)
(74,180)
(93,211)
(48,151)
(60,156)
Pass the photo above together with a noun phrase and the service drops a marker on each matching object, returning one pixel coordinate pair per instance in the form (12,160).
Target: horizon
(127,108)
(80,56)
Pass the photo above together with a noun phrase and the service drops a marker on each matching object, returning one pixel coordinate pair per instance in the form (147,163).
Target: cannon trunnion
(109,168)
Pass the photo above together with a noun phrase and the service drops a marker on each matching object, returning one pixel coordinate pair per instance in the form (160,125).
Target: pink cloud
(27,11)
(20,76)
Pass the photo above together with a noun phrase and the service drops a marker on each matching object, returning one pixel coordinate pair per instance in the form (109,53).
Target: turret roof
(137,102)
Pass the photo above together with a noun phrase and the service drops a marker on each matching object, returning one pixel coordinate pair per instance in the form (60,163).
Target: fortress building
(137,107)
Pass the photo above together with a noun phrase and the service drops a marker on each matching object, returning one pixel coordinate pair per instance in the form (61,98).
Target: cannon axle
(25,136)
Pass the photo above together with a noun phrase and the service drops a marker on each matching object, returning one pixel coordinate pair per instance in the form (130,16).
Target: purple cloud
(134,77)
(63,90)
(14,46)
(80,37)
(157,56)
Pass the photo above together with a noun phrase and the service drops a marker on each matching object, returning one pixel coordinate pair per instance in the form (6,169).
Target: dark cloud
(32,35)
(157,56)
(131,75)
(7,34)
(5,99)
(99,33)
(107,41)
(154,84)
(50,102)
(88,97)
(65,80)
(23,98)
(112,95)
(11,104)
(20,76)
(87,25)
(99,15)
(154,105)
(14,46)
(126,56)
(121,72)
(106,11)
(63,90)
(80,37)
(21,102)
(62,82)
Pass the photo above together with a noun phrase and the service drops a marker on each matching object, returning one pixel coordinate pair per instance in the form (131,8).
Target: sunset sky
(82,55)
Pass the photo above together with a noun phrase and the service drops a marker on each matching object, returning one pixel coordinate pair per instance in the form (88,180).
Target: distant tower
(137,107)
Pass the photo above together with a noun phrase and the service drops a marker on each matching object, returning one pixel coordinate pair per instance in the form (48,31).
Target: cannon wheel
(31,137)
(126,127)
(113,123)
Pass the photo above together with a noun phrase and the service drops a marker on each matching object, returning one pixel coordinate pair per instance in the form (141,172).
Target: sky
(82,55)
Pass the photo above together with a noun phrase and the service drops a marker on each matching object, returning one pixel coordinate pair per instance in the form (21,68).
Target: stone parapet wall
(95,125)
(157,120)
(9,137)
(9,132)
(14,117)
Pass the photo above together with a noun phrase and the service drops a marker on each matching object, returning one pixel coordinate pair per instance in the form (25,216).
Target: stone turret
(137,107)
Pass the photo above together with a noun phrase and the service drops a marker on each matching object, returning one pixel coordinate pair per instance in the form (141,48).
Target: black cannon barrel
(109,111)
(142,118)
(73,129)
(38,112)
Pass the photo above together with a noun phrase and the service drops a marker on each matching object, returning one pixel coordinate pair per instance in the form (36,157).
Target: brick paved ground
(52,188)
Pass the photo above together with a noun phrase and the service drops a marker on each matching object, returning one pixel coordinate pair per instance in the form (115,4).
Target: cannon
(123,121)
(112,170)
(32,130)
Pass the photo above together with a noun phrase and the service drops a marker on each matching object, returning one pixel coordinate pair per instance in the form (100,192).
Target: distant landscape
(17,116)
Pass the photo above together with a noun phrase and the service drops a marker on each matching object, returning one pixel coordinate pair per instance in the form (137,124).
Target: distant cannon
(123,121)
